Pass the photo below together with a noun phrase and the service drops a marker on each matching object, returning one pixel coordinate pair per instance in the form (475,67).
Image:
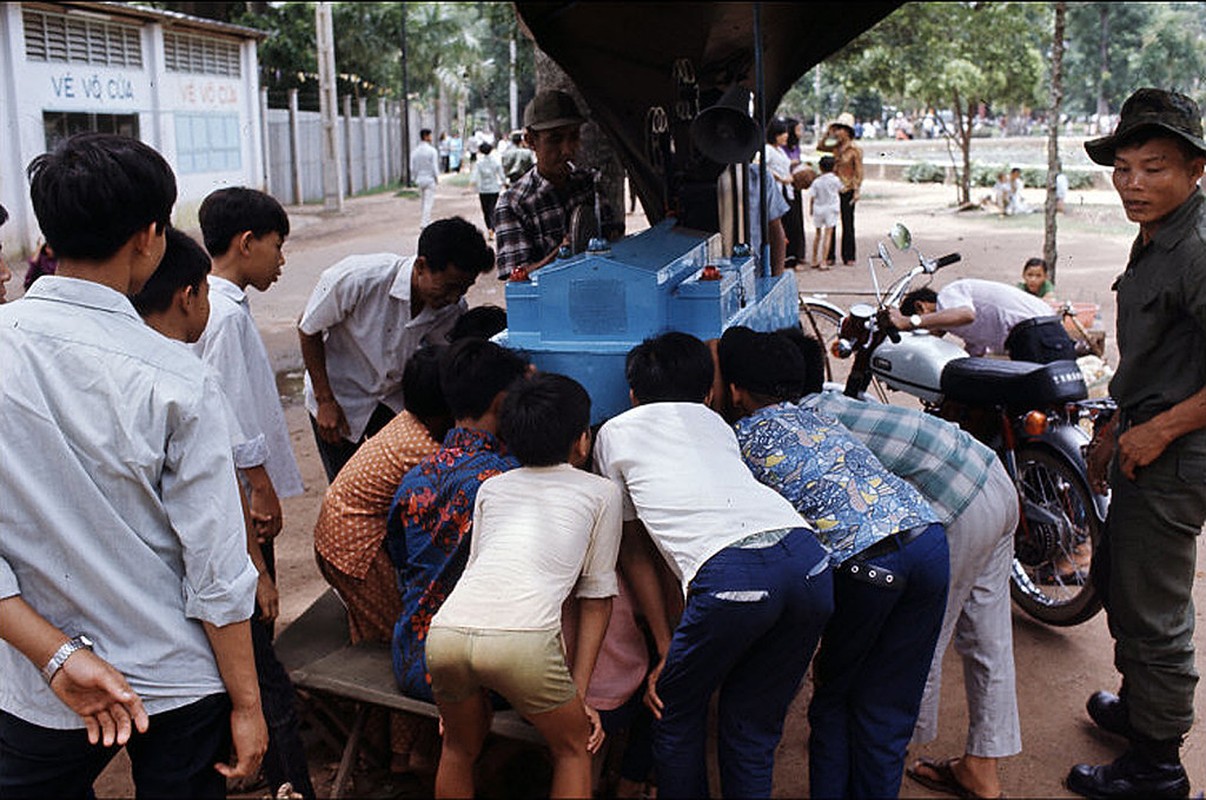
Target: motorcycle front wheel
(1054,541)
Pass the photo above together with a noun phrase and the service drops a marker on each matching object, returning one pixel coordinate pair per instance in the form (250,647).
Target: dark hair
(184,263)
(827,163)
(227,213)
(96,190)
(3,215)
(908,305)
(473,372)
(1035,262)
(485,148)
(774,128)
(424,133)
(813,352)
(516,137)
(542,418)
(766,365)
(792,139)
(479,322)
(421,383)
(455,241)
(672,367)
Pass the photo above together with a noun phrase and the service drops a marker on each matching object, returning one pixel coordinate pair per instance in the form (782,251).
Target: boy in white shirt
(758,592)
(244,231)
(543,530)
(824,206)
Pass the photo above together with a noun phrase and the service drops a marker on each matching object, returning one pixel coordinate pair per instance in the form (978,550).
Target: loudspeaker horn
(724,132)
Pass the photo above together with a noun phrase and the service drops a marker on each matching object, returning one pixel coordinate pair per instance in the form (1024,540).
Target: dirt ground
(1057,668)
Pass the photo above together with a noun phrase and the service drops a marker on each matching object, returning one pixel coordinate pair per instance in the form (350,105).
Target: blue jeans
(174,758)
(871,670)
(751,623)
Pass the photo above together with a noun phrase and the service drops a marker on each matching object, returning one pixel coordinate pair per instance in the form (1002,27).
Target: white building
(188,87)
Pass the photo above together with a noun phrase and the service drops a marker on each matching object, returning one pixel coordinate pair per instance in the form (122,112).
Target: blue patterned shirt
(941,460)
(831,478)
(427,538)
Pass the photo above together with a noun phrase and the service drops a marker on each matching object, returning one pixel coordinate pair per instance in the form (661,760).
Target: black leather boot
(1108,711)
(1149,769)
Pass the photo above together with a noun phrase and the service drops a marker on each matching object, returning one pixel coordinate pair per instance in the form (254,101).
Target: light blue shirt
(120,516)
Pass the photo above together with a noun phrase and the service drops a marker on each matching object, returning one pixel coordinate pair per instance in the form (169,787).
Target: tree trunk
(596,150)
(1050,254)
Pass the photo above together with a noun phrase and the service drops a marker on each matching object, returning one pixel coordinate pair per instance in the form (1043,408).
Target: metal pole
(763,178)
(405,106)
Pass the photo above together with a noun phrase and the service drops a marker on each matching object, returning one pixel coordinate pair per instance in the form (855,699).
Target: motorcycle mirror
(884,256)
(901,237)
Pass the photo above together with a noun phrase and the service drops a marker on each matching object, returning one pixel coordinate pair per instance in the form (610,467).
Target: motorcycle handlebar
(947,260)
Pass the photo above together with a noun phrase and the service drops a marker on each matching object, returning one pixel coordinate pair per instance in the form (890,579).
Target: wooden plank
(320,630)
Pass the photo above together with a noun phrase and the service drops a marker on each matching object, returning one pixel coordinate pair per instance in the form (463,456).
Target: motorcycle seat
(1016,385)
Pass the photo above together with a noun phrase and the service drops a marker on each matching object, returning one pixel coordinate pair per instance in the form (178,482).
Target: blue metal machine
(579,316)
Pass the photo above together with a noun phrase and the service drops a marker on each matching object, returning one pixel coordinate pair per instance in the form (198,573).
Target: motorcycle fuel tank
(914,364)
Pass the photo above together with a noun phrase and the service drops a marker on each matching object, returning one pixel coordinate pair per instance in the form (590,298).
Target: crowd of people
(733,527)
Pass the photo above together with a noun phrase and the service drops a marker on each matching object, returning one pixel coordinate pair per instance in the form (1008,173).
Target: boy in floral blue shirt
(427,534)
(890,559)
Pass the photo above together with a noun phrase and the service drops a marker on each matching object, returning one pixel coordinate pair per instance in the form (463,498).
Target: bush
(925,172)
(986,174)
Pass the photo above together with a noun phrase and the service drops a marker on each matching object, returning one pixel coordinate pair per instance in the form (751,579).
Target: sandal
(944,780)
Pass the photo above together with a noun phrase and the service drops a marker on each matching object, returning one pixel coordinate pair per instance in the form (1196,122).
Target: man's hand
(250,737)
(1140,446)
(332,424)
(267,598)
(1097,459)
(92,688)
(899,320)
(265,509)
(654,702)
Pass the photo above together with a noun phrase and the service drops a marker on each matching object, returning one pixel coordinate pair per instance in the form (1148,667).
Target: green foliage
(925,172)
(986,174)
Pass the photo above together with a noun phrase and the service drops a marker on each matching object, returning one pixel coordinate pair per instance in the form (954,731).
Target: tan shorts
(525,667)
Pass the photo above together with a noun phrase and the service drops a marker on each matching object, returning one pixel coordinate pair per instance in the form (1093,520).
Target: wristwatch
(915,321)
(61,655)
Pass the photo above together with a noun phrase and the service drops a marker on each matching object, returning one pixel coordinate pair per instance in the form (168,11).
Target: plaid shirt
(942,461)
(532,217)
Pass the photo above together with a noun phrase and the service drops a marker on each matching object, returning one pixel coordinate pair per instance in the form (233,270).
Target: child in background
(1035,280)
(824,206)
(543,531)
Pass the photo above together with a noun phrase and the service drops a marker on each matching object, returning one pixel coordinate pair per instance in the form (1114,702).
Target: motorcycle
(1036,417)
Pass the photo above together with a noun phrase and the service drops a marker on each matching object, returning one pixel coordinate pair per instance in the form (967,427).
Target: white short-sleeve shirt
(680,471)
(362,305)
(998,308)
(538,534)
(232,346)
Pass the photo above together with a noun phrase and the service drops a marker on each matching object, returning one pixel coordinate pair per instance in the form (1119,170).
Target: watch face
(85,641)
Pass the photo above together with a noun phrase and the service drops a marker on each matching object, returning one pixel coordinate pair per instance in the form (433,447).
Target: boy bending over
(758,590)
(543,531)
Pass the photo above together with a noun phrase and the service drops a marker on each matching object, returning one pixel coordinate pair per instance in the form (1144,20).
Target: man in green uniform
(1153,454)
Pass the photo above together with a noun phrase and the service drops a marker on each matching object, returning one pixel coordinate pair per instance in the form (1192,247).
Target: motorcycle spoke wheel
(1050,579)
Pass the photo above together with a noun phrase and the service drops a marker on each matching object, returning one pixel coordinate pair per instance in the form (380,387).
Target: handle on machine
(884,321)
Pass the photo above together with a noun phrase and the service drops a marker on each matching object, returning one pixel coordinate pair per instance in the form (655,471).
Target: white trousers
(427,193)
(978,619)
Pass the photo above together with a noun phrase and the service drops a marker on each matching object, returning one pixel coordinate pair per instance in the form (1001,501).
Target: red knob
(710,273)
(519,274)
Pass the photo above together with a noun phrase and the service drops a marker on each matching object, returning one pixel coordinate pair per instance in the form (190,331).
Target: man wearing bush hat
(1152,456)
(848,165)
(532,217)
